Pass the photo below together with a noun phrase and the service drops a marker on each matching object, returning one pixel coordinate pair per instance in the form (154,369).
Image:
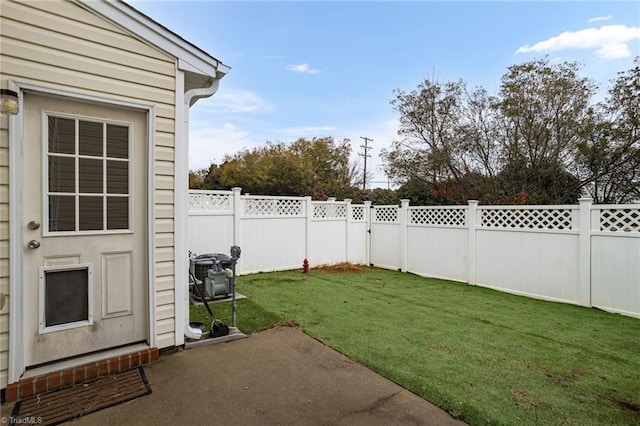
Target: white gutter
(193,95)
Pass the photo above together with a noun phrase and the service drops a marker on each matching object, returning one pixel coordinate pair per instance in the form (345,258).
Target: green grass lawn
(484,356)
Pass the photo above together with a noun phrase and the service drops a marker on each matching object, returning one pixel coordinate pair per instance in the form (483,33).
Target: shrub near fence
(583,254)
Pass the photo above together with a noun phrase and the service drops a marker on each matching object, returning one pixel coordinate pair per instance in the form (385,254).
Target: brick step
(71,376)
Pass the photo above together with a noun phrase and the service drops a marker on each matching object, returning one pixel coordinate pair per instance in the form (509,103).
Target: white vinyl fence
(277,233)
(582,254)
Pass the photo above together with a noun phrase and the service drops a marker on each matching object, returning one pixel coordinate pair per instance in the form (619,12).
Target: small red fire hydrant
(305,266)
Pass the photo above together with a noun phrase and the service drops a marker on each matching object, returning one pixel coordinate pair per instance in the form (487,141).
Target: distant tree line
(318,167)
(540,140)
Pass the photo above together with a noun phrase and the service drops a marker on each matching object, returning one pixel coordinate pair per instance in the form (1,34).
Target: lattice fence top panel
(200,202)
(620,220)
(437,216)
(329,210)
(357,213)
(387,214)
(538,218)
(273,207)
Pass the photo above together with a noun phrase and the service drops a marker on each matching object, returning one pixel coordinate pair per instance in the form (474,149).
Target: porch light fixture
(8,102)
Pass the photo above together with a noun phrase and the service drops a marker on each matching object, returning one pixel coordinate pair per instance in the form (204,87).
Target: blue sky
(311,69)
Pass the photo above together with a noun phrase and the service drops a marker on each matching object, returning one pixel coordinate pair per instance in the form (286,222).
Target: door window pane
(66,296)
(91,138)
(117,177)
(62,174)
(91,213)
(62,213)
(117,141)
(62,135)
(90,176)
(118,213)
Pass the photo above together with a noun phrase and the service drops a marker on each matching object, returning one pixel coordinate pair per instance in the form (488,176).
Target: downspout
(190,98)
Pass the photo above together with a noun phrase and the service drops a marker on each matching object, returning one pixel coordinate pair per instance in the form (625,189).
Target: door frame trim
(16,210)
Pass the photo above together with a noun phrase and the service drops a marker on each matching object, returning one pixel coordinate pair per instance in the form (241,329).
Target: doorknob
(33,225)
(33,244)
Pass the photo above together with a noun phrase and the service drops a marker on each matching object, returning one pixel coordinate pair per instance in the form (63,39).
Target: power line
(365,154)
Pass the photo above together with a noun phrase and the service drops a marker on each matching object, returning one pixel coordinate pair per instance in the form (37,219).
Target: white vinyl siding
(63,45)
(4,248)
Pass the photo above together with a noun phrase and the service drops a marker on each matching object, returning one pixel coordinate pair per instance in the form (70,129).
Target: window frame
(45,155)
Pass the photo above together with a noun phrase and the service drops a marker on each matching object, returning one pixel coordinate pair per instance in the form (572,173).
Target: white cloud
(608,41)
(308,131)
(303,68)
(210,144)
(235,101)
(600,18)
(614,51)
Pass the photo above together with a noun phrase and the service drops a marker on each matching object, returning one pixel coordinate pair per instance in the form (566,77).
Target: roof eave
(190,57)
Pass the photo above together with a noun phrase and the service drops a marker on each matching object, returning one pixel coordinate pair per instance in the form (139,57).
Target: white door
(85,210)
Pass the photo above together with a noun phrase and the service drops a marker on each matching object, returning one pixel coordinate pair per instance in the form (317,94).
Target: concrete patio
(276,377)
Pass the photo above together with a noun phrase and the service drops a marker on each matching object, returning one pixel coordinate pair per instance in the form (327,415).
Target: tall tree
(480,133)
(318,167)
(327,166)
(608,161)
(513,147)
(196,178)
(542,106)
(429,145)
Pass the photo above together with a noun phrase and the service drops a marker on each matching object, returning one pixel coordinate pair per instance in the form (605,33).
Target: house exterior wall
(62,45)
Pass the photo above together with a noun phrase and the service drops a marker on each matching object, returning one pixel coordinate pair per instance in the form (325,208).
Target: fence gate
(385,237)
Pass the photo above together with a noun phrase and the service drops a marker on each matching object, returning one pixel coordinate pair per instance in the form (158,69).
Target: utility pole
(365,154)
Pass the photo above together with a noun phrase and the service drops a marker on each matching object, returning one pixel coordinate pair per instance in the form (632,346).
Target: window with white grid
(88,175)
